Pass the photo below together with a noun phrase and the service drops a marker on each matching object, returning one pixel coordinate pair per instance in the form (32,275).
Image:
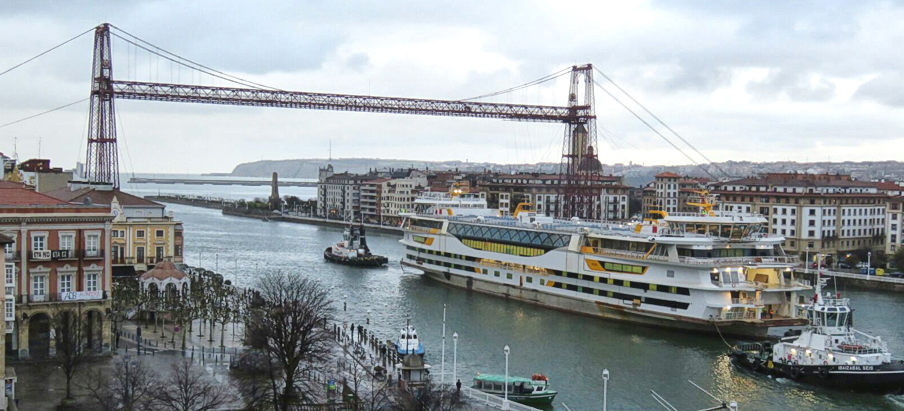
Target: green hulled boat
(534,390)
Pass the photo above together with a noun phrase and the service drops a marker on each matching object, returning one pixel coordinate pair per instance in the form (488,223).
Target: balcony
(11,256)
(93,254)
(63,254)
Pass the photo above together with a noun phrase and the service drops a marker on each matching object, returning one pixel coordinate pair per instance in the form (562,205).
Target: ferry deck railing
(718,261)
(747,301)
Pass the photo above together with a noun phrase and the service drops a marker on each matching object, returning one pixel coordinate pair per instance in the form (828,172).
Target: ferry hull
(879,379)
(606,311)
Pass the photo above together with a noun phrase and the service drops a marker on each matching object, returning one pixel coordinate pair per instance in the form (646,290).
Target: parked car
(814,265)
(845,266)
(861,265)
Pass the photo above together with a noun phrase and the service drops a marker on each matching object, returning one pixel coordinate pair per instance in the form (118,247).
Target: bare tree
(132,387)
(70,334)
(370,393)
(285,314)
(186,389)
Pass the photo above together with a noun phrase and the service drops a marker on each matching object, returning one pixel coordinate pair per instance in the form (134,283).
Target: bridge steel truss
(103,165)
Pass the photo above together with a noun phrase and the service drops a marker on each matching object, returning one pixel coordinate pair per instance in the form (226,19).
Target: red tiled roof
(887,185)
(162,271)
(21,196)
(667,174)
(11,184)
(101,197)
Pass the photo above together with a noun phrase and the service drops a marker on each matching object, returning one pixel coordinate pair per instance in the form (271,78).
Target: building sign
(81,295)
(58,254)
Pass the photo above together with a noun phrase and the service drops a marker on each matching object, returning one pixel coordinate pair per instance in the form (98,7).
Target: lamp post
(605,386)
(807,264)
(345,302)
(505,403)
(454,357)
(442,366)
(869,262)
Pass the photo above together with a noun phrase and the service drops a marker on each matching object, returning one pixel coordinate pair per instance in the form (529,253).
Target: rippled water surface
(571,349)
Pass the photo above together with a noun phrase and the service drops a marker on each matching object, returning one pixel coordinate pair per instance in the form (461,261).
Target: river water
(571,349)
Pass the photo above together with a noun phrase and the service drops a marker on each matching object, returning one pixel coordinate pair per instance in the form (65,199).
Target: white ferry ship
(695,271)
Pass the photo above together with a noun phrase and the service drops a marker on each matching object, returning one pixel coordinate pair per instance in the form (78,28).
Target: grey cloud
(886,89)
(794,85)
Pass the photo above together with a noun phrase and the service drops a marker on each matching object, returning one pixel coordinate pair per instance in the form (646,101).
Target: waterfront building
(670,192)
(816,213)
(541,191)
(399,195)
(894,219)
(39,174)
(9,302)
(371,200)
(144,233)
(705,271)
(59,259)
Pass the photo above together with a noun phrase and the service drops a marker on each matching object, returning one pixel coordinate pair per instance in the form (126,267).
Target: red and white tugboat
(353,250)
(828,352)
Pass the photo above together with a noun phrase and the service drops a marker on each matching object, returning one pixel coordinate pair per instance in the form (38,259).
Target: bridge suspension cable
(45,52)
(667,140)
(540,80)
(710,162)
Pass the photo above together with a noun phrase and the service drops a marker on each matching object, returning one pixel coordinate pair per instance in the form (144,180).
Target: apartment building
(894,220)
(58,260)
(825,213)
(144,233)
(542,193)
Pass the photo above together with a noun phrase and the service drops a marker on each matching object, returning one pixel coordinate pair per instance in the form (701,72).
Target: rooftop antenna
(331,150)
(16,148)
(39,146)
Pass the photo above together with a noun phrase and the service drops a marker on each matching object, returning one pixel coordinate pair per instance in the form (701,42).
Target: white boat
(452,203)
(829,351)
(686,270)
(408,342)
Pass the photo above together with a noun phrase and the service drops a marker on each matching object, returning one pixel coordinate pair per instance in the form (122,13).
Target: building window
(39,242)
(66,283)
(67,242)
(10,307)
(115,233)
(159,233)
(179,252)
(139,254)
(38,287)
(10,271)
(139,233)
(91,282)
(92,245)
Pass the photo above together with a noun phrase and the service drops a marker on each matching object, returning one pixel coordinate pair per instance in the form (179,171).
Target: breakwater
(231,208)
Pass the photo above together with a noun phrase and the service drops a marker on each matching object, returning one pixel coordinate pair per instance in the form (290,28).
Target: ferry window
(530,279)
(714,229)
(496,273)
(832,319)
(670,273)
(509,276)
(652,287)
(542,282)
(737,230)
(725,231)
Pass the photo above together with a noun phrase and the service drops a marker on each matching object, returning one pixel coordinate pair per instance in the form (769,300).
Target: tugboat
(353,250)
(534,390)
(829,351)
(408,342)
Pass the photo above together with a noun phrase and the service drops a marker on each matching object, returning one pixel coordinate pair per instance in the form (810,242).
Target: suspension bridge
(578,187)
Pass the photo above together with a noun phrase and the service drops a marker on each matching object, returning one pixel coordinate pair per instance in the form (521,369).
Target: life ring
(824,372)
(794,372)
(825,363)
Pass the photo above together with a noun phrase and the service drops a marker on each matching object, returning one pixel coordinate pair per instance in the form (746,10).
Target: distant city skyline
(770,82)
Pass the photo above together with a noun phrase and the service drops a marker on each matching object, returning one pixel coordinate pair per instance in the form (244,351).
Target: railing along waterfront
(878,278)
(491,400)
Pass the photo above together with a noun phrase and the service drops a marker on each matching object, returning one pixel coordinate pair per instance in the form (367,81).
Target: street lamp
(367,318)
(807,264)
(345,302)
(505,403)
(605,386)
(869,262)
(454,358)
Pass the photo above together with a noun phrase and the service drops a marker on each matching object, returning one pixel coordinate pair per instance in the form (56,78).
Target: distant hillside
(307,168)
(634,174)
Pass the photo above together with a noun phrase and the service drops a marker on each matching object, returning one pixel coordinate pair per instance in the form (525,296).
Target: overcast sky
(741,80)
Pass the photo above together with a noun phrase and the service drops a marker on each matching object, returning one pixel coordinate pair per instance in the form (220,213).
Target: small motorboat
(527,391)
(353,250)
(408,342)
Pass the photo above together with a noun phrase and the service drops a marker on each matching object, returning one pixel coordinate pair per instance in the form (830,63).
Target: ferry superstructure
(712,271)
